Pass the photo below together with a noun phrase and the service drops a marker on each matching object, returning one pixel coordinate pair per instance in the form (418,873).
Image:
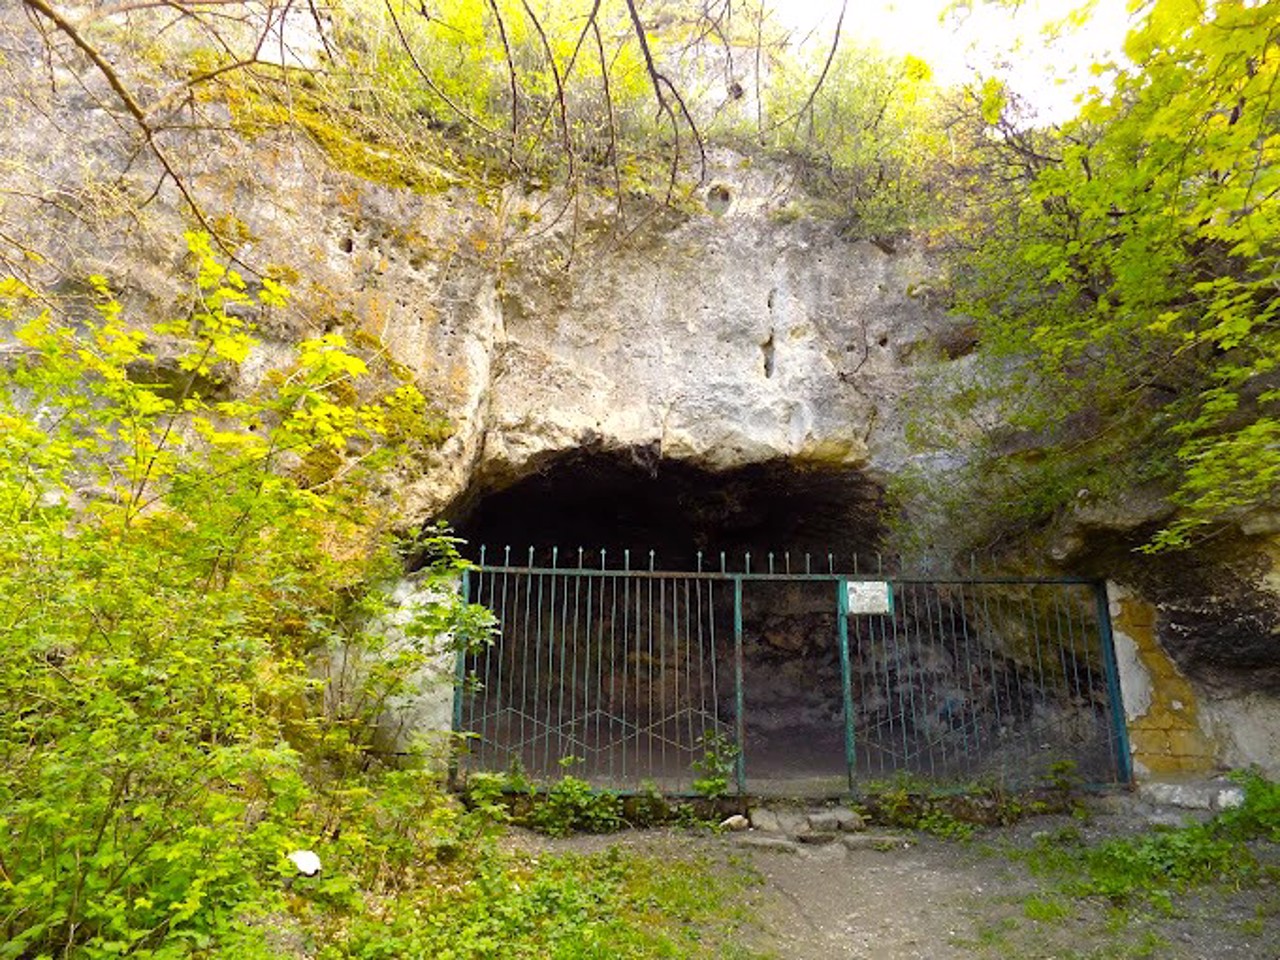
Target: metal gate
(798,682)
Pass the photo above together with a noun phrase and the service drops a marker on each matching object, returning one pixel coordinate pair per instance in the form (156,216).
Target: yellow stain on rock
(1167,737)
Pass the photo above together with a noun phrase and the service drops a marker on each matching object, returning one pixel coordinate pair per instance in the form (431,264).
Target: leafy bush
(168,565)
(572,805)
(1118,273)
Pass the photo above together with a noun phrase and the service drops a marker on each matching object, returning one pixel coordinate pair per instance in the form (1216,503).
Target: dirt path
(944,900)
(827,903)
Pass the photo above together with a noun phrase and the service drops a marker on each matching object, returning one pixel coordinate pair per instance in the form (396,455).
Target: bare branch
(511,77)
(613,125)
(566,134)
(426,77)
(131,106)
(822,77)
(658,80)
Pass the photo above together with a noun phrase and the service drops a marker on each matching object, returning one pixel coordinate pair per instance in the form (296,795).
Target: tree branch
(657,80)
(132,107)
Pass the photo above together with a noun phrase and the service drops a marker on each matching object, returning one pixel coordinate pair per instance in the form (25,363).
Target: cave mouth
(633,499)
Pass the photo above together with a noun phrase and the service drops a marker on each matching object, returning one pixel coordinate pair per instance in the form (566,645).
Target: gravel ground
(915,896)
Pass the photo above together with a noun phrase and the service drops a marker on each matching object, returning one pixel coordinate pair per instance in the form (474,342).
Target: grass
(614,904)
(1139,896)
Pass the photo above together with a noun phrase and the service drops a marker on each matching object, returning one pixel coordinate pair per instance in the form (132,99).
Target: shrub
(165,573)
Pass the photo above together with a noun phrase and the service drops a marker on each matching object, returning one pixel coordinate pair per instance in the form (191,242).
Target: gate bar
(739,719)
(1119,727)
(459,685)
(829,576)
(846,679)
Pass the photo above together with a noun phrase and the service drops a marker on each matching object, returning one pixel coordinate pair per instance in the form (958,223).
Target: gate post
(740,725)
(1119,728)
(846,679)
(459,681)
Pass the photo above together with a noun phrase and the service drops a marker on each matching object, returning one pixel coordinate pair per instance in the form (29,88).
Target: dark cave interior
(632,500)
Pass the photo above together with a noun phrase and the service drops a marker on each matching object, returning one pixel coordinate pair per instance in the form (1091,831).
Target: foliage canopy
(1124,272)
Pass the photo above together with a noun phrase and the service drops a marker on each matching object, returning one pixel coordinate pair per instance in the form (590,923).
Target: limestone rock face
(721,339)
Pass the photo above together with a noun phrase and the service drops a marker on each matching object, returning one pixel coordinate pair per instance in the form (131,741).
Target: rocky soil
(871,894)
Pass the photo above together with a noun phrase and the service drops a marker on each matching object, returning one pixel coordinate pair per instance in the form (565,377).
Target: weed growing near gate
(716,766)
(958,811)
(572,806)
(1154,867)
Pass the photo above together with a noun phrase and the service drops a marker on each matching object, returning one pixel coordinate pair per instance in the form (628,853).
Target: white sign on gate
(868,597)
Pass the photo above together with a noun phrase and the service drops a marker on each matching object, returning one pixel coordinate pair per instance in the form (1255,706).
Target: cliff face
(716,339)
(732,334)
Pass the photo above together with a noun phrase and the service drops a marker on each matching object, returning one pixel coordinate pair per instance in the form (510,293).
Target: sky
(982,39)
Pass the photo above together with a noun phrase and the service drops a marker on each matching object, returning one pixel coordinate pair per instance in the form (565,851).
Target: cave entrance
(665,627)
(666,511)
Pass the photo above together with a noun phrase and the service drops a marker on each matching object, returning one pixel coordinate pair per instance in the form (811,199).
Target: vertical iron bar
(920,743)
(846,680)
(969,722)
(688,671)
(947,629)
(883,728)
(1080,689)
(562,674)
(617,711)
(1019,668)
(471,701)
(589,630)
(1040,688)
(897,678)
(662,672)
(711,638)
(927,680)
(1087,641)
(571,676)
(739,697)
(648,669)
(989,644)
(1120,732)
(496,681)
(633,709)
(1065,687)
(459,682)
(522,651)
(1076,685)
(548,763)
(480,685)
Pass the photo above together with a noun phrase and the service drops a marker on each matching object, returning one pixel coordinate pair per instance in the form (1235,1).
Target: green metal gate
(789,679)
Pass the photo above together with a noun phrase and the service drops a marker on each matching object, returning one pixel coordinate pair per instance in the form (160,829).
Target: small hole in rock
(767,349)
(718,198)
(883,341)
(346,245)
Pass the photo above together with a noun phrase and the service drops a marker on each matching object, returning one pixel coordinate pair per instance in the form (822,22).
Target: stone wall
(1179,728)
